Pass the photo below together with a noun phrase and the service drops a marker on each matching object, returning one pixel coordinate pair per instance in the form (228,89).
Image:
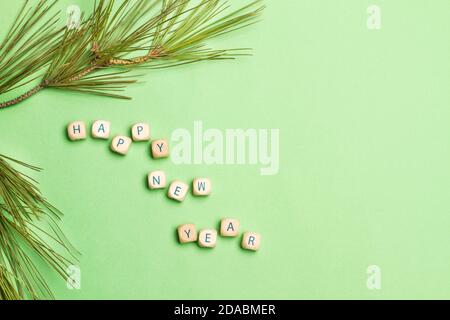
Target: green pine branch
(117,37)
(29,45)
(28,225)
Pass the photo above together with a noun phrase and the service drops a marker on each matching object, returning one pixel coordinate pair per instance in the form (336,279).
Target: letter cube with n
(229,227)
(251,241)
(101,129)
(201,187)
(121,145)
(140,132)
(187,233)
(157,180)
(76,130)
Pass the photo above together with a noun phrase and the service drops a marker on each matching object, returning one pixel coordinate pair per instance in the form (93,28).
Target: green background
(364,162)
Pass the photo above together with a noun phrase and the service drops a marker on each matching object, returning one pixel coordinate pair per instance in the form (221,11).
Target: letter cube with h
(76,130)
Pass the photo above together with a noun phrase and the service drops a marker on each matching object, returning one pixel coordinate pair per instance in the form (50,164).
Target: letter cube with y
(207,238)
(157,180)
(140,132)
(101,129)
(187,233)
(121,145)
(201,187)
(178,190)
(160,149)
(251,241)
(76,130)
(229,227)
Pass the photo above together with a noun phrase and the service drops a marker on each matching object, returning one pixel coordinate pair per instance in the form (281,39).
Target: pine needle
(149,34)
(22,210)
(29,45)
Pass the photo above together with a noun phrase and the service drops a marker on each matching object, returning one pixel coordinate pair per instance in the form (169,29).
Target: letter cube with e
(160,149)
(201,187)
(187,233)
(76,130)
(101,129)
(121,145)
(157,180)
(229,227)
(140,132)
(251,241)
(207,238)
(178,190)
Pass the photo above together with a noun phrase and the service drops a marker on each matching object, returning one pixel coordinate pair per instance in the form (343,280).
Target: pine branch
(145,34)
(21,207)
(29,45)
(7,288)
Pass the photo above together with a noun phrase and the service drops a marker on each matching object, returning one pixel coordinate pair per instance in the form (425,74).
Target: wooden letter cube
(187,233)
(101,129)
(121,145)
(157,180)
(251,241)
(229,227)
(178,190)
(201,187)
(140,132)
(160,149)
(76,130)
(207,238)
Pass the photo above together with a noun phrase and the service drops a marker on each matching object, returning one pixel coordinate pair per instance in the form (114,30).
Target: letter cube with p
(121,145)
(140,132)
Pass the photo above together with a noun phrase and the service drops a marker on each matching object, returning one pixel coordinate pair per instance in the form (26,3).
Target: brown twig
(23,97)
(153,54)
(177,35)
(84,73)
